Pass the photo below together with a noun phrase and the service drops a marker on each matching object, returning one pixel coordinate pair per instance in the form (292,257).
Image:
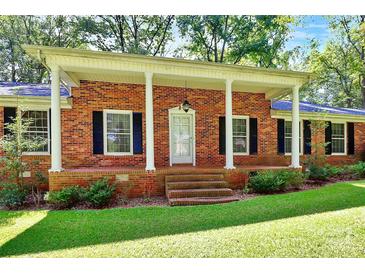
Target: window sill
(338,154)
(240,154)
(36,154)
(118,154)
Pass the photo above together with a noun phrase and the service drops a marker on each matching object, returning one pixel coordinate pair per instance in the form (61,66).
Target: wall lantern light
(186,106)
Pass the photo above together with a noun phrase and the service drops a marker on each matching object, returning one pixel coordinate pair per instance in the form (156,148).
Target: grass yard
(325,222)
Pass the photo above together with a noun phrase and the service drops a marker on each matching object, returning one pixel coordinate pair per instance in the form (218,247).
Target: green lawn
(327,222)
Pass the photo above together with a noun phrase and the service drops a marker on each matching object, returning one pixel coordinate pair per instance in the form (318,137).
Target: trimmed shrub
(100,193)
(267,182)
(270,181)
(293,178)
(68,197)
(316,172)
(358,169)
(12,195)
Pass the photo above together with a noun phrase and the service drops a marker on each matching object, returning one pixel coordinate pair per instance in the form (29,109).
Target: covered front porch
(72,66)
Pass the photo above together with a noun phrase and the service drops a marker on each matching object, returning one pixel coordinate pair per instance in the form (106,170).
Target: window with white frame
(118,127)
(38,128)
(288,137)
(338,138)
(240,135)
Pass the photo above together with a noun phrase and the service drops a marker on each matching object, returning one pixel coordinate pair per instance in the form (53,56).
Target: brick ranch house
(143,121)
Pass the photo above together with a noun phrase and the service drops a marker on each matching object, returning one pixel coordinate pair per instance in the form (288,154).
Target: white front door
(181,138)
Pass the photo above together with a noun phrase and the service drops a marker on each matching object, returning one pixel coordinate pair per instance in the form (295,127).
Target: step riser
(200,202)
(196,193)
(192,177)
(196,185)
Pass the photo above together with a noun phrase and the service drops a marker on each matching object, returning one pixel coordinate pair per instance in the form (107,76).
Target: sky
(309,28)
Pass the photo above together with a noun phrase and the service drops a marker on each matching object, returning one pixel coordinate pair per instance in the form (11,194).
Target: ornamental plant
(14,144)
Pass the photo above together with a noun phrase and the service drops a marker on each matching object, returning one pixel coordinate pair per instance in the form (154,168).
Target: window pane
(288,128)
(118,143)
(288,136)
(240,144)
(239,127)
(118,132)
(38,127)
(338,130)
(118,123)
(338,138)
(338,146)
(239,135)
(288,145)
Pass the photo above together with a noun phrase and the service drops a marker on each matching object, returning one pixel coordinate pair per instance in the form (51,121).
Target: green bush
(67,197)
(358,169)
(267,182)
(100,193)
(272,181)
(316,172)
(335,171)
(11,195)
(294,179)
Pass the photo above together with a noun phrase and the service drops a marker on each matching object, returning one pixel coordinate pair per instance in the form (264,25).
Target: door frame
(180,111)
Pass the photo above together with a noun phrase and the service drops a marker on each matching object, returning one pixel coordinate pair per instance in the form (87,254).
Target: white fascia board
(282,114)
(32,101)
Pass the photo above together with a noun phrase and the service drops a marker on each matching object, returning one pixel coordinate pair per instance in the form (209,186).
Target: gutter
(282,114)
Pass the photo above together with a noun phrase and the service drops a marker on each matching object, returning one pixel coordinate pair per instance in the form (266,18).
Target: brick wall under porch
(139,183)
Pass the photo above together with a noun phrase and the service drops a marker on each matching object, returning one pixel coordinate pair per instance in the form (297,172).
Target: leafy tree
(140,34)
(14,144)
(336,75)
(339,68)
(235,39)
(353,29)
(59,31)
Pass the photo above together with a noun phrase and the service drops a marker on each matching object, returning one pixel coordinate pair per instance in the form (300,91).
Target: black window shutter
(98,136)
(253,136)
(49,131)
(137,133)
(328,138)
(222,135)
(350,139)
(307,137)
(281,137)
(9,113)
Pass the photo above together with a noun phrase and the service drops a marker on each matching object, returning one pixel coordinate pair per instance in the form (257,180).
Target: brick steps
(202,192)
(197,184)
(201,201)
(194,177)
(197,189)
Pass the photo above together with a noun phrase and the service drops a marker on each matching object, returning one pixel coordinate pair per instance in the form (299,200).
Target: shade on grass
(326,222)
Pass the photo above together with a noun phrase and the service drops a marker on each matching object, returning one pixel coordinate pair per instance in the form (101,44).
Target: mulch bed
(162,201)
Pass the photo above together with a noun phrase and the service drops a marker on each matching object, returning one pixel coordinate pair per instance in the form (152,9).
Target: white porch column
(229,129)
(295,163)
(150,151)
(56,157)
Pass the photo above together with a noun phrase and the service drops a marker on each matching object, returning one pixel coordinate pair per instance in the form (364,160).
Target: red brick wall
(77,144)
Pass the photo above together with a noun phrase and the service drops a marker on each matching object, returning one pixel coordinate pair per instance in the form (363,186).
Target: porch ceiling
(90,65)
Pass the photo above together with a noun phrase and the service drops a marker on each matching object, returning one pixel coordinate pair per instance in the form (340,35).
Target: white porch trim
(150,150)
(56,154)
(295,161)
(229,129)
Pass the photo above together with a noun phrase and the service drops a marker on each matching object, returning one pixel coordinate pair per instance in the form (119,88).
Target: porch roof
(13,94)
(78,64)
(282,109)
